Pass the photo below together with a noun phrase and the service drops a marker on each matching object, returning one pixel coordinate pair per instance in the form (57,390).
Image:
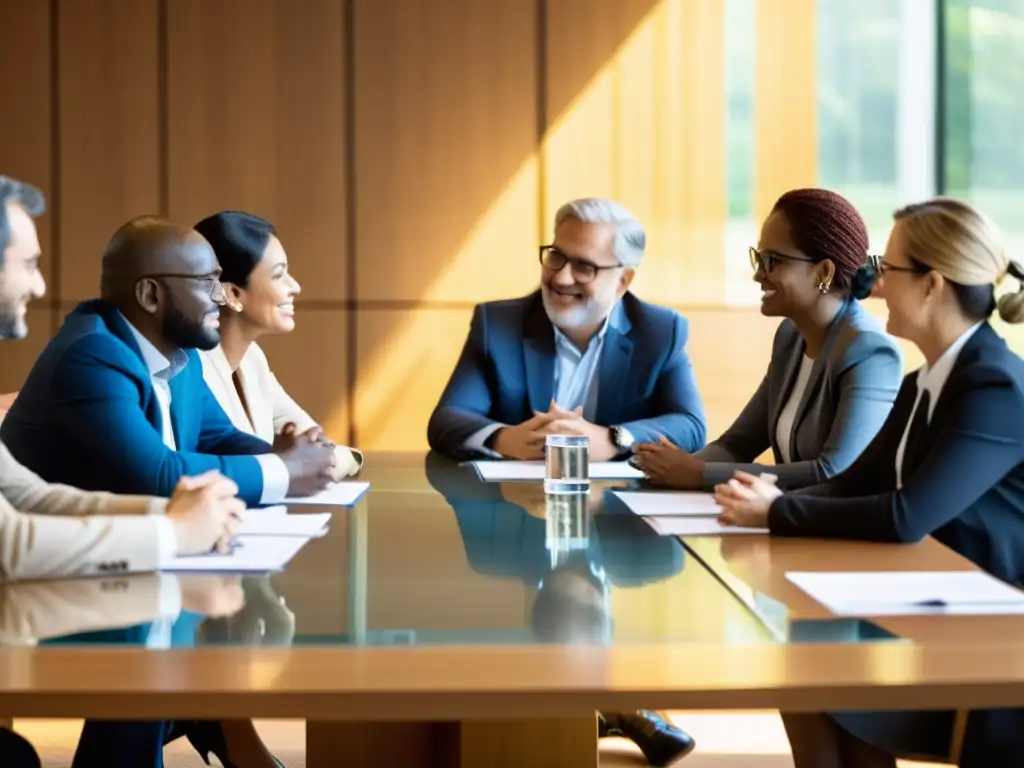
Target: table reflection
(155,611)
(571,547)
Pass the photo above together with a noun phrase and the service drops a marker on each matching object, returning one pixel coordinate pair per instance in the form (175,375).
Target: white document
(670,504)
(697,526)
(898,593)
(335,495)
(269,522)
(510,471)
(252,554)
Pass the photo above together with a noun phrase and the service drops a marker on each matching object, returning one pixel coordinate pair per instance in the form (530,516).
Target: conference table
(445,621)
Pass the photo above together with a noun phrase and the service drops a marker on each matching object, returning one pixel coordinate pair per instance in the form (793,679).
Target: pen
(232,546)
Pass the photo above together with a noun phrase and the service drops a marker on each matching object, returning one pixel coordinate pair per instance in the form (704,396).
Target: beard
(12,324)
(587,312)
(185,333)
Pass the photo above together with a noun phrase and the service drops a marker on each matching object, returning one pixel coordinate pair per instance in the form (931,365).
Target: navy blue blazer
(966,489)
(506,372)
(87,416)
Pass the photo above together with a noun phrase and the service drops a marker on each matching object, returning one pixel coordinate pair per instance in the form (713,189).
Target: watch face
(623,438)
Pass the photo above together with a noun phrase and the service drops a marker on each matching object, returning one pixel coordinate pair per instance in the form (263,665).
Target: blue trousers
(16,752)
(128,744)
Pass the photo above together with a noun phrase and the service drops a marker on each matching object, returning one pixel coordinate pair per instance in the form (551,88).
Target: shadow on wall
(451,177)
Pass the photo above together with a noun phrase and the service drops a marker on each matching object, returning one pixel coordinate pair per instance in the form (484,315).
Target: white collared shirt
(932,379)
(575,381)
(784,426)
(162,370)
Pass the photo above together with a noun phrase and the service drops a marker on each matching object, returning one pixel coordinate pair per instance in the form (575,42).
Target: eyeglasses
(217,290)
(582,270)
(767,260)
(865,278)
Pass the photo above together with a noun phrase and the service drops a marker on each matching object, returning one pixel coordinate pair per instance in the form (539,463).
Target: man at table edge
(582,355)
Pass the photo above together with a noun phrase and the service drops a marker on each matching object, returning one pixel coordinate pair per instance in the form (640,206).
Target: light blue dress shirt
(576,381)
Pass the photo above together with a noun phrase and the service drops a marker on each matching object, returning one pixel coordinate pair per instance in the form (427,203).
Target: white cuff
(170,596)
(475,442)
(167,540)
(157,506)
(275,478)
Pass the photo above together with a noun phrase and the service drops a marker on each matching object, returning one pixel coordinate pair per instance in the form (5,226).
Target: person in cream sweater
(261,299)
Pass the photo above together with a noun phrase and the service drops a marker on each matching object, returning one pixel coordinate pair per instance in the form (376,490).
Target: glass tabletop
(433,555)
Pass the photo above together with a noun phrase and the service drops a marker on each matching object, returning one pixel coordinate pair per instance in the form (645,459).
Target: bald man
(117,402)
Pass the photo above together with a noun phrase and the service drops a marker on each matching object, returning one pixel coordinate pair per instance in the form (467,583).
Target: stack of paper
(267,539)
(515,471)
(268,522)
(336,495)
(259,554)
(664,504)
(681,514)
(898,593)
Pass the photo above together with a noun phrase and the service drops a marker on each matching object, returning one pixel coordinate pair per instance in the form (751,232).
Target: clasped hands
(309,457)
(526,441)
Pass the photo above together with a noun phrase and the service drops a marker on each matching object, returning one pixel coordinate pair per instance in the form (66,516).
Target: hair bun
(1011,305)
(863,281)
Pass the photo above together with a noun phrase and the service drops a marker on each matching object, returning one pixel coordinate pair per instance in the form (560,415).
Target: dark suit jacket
(966,489)
(506,372)
(88,416)
(850,392)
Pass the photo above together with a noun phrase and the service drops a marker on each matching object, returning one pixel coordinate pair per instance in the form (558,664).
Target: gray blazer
(852,387)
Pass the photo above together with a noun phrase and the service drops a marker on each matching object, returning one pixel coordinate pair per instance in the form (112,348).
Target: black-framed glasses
(217,291)
(865,278)
(767,260)
(583,271)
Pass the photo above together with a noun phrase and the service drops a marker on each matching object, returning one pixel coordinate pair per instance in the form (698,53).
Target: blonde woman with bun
(948,462)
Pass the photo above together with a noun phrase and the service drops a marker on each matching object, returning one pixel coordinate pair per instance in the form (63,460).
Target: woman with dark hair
(261,299)
(948,463)
(833,374)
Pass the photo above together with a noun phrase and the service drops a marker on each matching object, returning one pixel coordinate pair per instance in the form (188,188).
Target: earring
(823,287)
(235,305)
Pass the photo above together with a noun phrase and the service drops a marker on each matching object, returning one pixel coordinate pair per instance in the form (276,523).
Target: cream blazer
(269,404)
(52,531)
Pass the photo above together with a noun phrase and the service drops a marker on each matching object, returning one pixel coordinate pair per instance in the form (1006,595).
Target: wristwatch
(621,438)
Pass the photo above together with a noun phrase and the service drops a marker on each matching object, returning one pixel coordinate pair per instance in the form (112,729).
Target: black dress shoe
(661,742)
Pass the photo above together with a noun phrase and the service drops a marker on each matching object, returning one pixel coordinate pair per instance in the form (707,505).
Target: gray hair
(14,192)
(630,238)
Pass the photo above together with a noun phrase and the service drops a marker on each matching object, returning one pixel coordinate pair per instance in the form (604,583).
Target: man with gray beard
(581,356)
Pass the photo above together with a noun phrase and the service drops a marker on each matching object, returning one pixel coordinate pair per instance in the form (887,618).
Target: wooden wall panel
(25,135)
(256,121)
(785,101)
(404,358)
(18,357)
(730,350)
(311,363)
(626,82)
(109,129)
(446,128)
